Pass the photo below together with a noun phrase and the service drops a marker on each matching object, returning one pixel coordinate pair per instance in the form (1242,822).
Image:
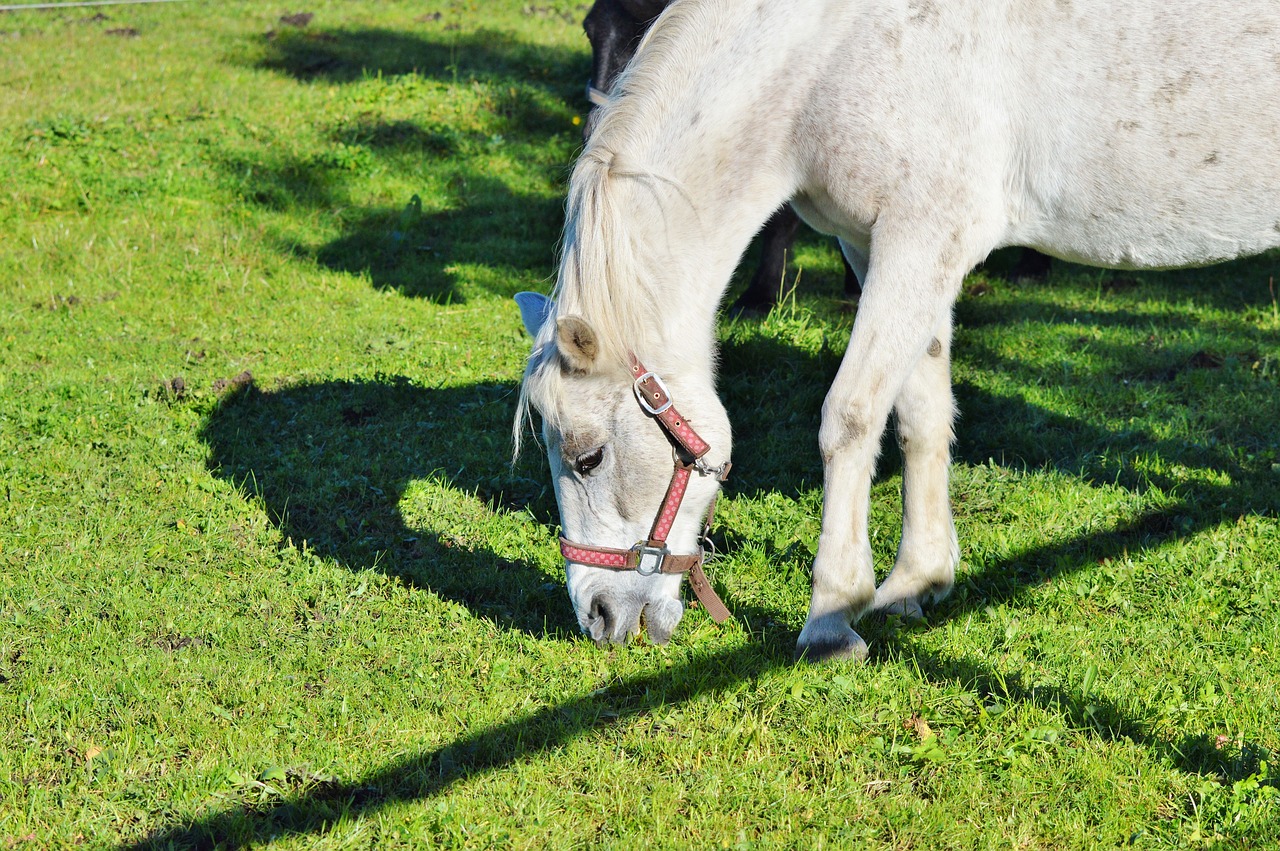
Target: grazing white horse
(924,134)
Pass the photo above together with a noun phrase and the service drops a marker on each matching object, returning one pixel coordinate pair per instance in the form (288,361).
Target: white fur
(924,134)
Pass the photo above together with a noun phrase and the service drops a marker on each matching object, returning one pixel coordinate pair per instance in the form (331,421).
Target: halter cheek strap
(651,556)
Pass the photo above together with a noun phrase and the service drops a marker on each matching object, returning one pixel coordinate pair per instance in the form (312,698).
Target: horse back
(1139,134)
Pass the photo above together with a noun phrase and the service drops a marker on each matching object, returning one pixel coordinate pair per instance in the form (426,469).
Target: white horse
(924,134)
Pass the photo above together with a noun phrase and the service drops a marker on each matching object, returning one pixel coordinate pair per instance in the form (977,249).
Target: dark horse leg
(1031,264)
(766,284)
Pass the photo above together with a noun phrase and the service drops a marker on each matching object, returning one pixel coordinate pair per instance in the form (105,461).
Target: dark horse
(614,28)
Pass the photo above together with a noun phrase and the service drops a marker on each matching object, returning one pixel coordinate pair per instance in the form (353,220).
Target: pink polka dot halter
(651,556)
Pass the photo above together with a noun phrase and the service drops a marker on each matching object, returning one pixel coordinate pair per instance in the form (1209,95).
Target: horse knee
(842,427)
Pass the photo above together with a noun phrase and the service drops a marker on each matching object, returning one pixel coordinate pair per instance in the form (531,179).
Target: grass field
(270,579)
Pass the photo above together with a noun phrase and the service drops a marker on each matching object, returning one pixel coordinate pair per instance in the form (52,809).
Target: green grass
(315,606)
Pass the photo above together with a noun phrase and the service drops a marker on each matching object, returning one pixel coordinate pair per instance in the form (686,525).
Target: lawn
(269,576)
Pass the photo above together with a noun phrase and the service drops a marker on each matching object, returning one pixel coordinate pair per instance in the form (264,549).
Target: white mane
(616,202)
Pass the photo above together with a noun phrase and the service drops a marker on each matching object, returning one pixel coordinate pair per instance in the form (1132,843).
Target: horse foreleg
(906,302)
(927,556)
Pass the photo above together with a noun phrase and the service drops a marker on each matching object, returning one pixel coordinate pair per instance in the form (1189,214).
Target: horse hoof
(739,310)
(906,591)
(908,607)
(833,649)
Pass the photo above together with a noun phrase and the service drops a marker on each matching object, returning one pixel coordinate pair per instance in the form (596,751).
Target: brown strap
(706,594)
(673,423)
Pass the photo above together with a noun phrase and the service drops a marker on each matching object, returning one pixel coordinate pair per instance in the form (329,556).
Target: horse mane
(601,278)
(612,193)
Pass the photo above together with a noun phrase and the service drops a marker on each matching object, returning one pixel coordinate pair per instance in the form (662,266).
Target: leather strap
(671,503)
(706,594)
(656,398)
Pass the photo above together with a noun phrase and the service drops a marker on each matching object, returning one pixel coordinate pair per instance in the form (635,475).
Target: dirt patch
(173,642)
(10,666)
(57,302)
(174,388)
(224,385)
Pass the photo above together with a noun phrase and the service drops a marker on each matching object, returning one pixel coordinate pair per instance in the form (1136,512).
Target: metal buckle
(644,403)
(649,559)
(721,472)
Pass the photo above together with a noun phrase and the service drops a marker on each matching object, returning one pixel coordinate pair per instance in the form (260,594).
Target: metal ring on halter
(721,471)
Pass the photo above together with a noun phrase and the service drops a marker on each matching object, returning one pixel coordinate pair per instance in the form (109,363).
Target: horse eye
(589,461)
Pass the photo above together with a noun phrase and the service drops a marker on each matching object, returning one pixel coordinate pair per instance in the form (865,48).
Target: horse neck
(691,157)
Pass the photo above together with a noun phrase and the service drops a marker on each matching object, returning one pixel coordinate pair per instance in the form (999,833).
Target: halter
(651,556)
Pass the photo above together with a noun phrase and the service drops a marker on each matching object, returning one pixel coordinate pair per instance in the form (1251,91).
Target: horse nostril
(600,621)
(605,613)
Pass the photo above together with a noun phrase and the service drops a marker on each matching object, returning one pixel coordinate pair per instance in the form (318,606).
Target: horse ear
(534,310)
(577,343)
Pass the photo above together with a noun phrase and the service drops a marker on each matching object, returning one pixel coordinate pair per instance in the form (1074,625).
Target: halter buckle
(649,559)
(645,403)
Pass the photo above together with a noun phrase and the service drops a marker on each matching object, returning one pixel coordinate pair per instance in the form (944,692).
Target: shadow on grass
(418,255)
(348,55)
(429,773)
(331,462)
(474,230)
(490,237)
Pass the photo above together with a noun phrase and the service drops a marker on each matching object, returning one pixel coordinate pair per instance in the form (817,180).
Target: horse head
(634,477)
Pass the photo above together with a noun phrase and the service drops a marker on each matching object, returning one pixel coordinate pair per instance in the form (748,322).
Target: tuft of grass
(267,576)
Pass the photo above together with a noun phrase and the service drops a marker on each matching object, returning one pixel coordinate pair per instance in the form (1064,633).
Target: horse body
(924,135)
(1131,136)
(1165,162)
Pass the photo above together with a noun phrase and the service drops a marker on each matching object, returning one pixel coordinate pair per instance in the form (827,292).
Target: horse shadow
(331,464)
(774,393)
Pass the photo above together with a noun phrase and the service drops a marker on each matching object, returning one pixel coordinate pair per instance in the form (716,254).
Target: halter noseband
(651,556)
